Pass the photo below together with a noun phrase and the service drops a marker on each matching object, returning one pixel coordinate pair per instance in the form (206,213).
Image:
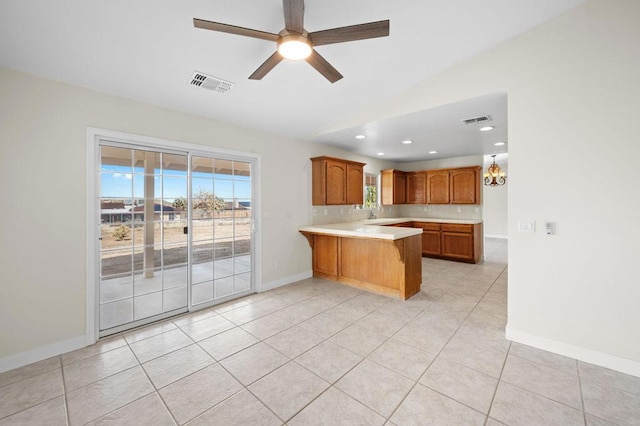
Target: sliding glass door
(175,233)
(221,229)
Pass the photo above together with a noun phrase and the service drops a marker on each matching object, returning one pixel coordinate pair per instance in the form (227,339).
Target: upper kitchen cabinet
(416,188)
(336,181)
(438,187)
(394,189)
(355,183)
(454,186)
(465,185)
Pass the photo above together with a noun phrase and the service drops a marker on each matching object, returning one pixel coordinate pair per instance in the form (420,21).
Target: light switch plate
(526,226)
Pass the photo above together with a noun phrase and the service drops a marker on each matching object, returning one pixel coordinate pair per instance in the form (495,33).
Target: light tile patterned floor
(317,352)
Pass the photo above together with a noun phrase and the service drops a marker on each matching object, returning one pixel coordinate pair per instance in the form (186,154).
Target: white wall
(42,181)
(494,201)
(573,92)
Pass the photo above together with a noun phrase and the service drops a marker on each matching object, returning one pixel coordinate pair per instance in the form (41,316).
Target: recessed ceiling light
(499,143)
(381,153)
(433,152)
(407,142)
(360,136)
(486,128)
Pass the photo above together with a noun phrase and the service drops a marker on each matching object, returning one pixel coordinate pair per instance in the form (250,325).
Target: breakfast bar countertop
(375,228)
(362,230)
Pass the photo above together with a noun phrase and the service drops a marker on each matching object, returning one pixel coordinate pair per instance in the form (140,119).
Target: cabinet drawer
(454,227)
(403,224)
(427,226)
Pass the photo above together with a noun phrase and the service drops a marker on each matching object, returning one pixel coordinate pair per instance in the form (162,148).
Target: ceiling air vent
(477,120)
(211,83)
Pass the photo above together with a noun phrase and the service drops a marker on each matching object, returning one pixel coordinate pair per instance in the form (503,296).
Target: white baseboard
(613,362)
(18,360)
(286,280)
(503,237)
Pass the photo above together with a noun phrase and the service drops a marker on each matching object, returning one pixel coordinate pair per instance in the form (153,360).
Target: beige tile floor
(317,352)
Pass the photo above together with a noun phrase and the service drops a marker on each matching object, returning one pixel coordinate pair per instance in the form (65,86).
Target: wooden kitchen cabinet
(457,241)
(394,184)
(430,238)
(402,225)
(355,183)
(438,187)
(453,241)
(465,185)
(380,265)
(336,181)
(416,189)
(454,186)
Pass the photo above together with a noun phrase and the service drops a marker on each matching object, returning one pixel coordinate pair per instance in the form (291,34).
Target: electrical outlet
(459,209)
(326,212)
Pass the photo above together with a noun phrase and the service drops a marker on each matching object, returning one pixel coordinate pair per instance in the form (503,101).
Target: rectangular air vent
(211,83)
(477,120)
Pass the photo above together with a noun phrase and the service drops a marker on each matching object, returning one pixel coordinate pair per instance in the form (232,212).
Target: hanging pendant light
(494,176)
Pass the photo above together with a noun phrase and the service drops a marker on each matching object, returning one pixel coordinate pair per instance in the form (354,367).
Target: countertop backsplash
(323,215)
(441,211)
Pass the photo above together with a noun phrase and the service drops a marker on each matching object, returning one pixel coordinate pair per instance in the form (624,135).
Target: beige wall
(573,92)
(494,208)
(42,164)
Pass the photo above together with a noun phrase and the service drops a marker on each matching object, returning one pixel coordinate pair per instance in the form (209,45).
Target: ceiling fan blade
(266,66)
(323,67)
(350,33)
(293,15)
(232,29)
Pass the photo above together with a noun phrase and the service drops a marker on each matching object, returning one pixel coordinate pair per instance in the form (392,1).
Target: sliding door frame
(94,137)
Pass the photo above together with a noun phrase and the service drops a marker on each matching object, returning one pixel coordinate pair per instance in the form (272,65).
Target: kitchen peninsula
(385,255)
(382,259)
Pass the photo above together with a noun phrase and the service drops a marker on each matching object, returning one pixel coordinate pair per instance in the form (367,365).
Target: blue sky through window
(119,182)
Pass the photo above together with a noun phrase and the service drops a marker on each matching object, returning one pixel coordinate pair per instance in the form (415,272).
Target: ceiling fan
(294,42)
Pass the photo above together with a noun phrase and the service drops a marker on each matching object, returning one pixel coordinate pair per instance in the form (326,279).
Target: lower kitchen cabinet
(430,238)
(462,242)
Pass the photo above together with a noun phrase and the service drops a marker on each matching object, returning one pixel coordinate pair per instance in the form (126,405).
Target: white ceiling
(148,49)
(438,129)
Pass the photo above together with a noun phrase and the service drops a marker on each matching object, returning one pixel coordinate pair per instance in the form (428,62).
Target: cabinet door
(399,188)
(430,243)
(464,186)
(355,184)
(325,255)
(336,182)
(386,192)
(394,189)
(416,193)
(438,187)
(457,245)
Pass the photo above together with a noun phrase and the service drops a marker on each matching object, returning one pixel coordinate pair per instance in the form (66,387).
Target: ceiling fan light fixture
(294,47)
